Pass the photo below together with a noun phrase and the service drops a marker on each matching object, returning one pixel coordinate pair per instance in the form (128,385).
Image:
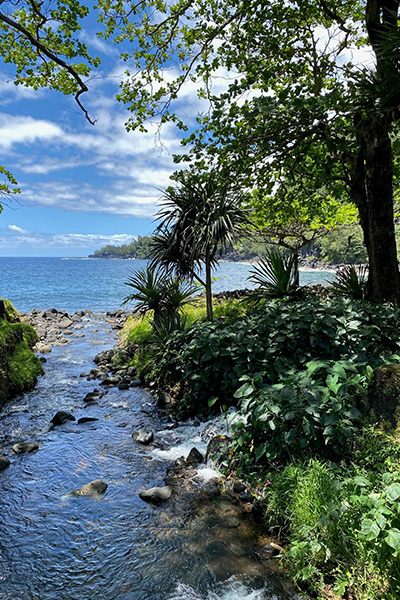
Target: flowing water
(57,547)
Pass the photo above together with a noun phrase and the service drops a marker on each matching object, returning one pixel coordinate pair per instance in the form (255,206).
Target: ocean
(72,284)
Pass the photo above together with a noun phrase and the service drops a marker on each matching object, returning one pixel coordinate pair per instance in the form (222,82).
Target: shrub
(273,343)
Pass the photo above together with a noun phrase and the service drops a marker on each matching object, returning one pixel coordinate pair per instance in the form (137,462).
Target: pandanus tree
(200,217)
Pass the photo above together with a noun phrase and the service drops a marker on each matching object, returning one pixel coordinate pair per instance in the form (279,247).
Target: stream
(114,547)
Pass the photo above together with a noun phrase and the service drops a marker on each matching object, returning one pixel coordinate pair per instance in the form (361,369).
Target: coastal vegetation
(296,373)
(19,366)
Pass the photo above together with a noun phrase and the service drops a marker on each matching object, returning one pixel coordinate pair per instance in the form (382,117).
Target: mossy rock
(383,396)
(19,366)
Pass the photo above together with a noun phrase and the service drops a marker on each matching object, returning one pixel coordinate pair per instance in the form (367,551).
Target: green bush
(305,415)
(274,342)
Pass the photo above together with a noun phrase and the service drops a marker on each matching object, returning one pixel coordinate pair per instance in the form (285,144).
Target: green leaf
(260,451)
(392,492)
(393,540)
(370,529)
(245,390)
(212,401)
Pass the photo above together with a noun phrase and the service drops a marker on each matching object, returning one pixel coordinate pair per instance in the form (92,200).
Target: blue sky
(82,186)
(85,186)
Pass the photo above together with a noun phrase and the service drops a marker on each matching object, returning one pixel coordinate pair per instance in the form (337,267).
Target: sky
(83,186)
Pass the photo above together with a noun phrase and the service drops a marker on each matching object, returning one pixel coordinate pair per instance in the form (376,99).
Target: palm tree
(200,217)
(155,291)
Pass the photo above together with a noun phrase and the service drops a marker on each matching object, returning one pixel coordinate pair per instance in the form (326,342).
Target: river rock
(62,417)
(4,463)
(143,437)
(25,447)
(156,494)
(271,550)
(86,420)
(42,348)
(194,458)
(111,380)
(65,322)
(94,488)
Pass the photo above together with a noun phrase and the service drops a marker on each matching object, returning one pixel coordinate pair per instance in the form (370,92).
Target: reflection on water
(116,547)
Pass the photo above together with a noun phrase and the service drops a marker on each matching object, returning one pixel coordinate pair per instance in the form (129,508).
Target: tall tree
(296,105)
(39,40)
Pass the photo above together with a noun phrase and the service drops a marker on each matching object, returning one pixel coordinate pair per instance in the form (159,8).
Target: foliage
(344,246)
(351,282)
(200,217)
(312,413)
(330,511)
(297,118)
(157,292)
(275,274)
(138,248)
(276,340)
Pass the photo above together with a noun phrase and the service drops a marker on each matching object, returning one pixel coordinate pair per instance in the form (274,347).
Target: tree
(296,106)
(200,218)
(38,39)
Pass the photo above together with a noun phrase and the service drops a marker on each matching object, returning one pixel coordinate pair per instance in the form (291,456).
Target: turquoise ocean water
(98,284)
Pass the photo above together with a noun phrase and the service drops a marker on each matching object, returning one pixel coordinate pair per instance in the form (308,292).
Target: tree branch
(36,43)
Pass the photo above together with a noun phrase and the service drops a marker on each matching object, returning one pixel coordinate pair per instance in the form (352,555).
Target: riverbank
(312,436)
(199,544)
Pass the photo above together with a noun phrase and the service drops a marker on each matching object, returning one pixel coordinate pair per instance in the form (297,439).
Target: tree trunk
(376,210)
(208,287)
(296,266)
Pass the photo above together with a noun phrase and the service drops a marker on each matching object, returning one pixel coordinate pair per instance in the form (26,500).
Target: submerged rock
(94,488)
(4,463)
(86,420)
(156,494)
(62,417)
(24,447)
(143,437)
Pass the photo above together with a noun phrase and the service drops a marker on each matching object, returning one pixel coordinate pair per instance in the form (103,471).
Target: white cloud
(18,229)
(26,130)
(62,240)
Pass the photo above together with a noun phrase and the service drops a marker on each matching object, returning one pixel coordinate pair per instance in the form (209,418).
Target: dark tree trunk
(375,204)
(208,287)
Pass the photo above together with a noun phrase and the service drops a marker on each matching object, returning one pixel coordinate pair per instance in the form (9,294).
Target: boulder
(62,417)
(194,458)
(142,436)
(94,488)
(86,420)
(383,395)
(42,348)
(25,447)
(4,462)
(156,494)
(65,322)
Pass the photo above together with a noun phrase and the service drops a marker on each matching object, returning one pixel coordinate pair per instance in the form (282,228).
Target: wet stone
(62,417)
(194,458)
(86,420)
(142,436)
(4,463)
(238,487)
(94,488)
(156,494)
(25,447)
